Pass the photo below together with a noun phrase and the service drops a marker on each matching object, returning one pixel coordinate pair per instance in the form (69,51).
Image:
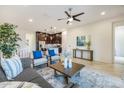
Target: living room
(64,46)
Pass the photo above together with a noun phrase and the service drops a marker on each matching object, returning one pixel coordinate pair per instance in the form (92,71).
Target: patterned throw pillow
(12,67)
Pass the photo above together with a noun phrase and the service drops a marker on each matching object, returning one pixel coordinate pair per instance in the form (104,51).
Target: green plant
(88,44)
(8,39)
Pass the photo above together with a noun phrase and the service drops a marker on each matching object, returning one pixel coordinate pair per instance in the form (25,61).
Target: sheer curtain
(24,52)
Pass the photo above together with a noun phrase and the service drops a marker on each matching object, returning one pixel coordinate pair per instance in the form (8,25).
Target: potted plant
(88,43)
(8,39)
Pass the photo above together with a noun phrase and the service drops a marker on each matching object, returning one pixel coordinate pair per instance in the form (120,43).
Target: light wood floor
(112,69)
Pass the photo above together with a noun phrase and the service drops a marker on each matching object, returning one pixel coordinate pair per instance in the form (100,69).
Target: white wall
(27,35)
(64,40)
(119,41)
(101,38)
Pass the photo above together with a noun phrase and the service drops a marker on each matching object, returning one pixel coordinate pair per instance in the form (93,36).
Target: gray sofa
(28,74)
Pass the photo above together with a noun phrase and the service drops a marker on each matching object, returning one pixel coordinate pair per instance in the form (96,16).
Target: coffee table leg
(66,79)
(55,73)
(78,74)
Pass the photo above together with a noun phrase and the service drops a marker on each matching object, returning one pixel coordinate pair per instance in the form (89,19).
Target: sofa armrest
(26,62)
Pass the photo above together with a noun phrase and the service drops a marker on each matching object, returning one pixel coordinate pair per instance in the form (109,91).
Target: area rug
(88,78)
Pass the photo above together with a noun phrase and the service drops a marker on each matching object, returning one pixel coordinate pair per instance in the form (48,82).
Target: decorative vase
(65,63)
(70,63)
(88,47)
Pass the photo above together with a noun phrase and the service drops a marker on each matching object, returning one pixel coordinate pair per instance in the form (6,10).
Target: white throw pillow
(12,67)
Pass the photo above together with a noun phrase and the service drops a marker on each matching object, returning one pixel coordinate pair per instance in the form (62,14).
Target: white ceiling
(45,16)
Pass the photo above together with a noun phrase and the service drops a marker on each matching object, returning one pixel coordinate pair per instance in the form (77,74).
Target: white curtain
(24,53)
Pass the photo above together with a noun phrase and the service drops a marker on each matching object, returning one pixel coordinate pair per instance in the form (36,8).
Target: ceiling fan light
(30,20)
(103,13)
(70,19)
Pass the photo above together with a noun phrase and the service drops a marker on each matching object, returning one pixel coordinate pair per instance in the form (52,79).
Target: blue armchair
(53,56)
(39,58)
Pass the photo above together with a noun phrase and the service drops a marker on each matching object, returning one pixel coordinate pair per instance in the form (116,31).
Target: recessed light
(54,27)
(30,20)
(103,13)
(70,19)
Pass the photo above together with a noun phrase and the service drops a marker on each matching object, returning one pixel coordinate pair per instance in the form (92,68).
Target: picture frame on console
(81,40)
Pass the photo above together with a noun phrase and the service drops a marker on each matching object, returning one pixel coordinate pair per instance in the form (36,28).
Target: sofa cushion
(42,82)
(40,61)
(12,67)
(2,75)
(27,75)
(26,62)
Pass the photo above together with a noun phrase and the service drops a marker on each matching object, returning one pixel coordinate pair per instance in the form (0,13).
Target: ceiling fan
(71,17)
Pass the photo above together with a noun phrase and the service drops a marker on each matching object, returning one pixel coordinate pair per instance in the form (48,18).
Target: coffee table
(67,72)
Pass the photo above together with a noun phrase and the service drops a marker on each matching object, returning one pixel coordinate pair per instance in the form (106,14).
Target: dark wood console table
(83,54)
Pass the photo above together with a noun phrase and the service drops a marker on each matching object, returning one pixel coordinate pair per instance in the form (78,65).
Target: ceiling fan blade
(67,22)
(76,19)
(67,14)
(78,14)
(61,19)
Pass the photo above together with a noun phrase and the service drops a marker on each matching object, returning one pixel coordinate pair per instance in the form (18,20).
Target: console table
(83,54)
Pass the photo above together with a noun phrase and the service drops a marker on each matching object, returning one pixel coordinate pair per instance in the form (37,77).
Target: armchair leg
(47,64)
(60,60)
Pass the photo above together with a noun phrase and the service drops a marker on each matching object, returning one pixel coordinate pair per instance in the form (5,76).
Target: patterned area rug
(88,78)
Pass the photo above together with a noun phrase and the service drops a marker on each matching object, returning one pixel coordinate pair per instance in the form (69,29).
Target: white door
(119,43)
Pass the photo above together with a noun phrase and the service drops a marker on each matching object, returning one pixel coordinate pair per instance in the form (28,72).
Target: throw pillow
(37,54)
(12,67)
(51,52)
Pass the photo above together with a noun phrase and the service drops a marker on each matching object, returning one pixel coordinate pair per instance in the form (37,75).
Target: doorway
(119,43)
